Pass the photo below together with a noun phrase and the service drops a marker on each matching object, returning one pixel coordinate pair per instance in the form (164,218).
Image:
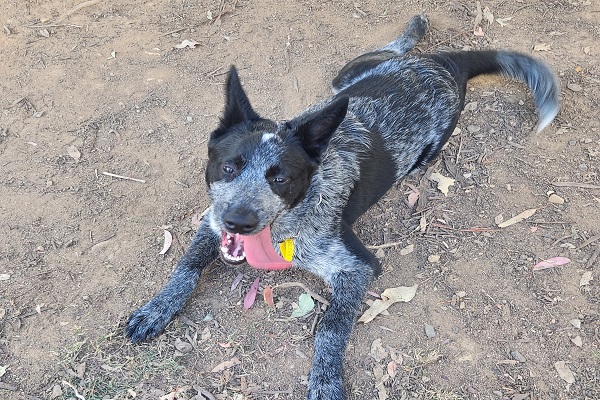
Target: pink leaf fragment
(251,295)
(550,263)
(167,243)
(236,281)
(268,296)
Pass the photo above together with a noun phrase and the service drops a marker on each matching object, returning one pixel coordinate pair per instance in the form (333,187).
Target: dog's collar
(260,253)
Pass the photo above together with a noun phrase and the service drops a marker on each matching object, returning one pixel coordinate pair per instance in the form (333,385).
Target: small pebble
(497,393)
(574,87)
(430,331)
(572,142)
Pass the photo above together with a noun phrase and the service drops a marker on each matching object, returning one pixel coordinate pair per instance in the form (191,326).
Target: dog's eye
(227,169)
(280,179)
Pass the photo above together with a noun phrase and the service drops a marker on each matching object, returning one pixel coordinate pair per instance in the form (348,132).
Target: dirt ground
(98,86)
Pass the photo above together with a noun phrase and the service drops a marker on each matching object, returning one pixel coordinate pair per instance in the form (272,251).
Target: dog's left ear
(316,129)
(237,104)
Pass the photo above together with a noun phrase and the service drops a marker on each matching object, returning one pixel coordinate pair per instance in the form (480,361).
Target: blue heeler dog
(307,180)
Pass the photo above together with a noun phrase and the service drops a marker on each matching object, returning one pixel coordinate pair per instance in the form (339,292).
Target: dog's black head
(257,167)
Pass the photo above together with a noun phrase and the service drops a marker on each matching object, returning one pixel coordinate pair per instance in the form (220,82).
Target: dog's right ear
(316,129)
(237,105)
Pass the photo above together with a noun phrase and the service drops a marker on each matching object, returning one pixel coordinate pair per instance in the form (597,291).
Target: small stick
(576,184)
(385,245)
(80,397)
(77,8)
(589,241)
(123,177)
(593,257)
(306,289)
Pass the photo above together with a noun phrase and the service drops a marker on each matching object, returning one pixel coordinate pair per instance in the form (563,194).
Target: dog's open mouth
(232,247)
(257,250)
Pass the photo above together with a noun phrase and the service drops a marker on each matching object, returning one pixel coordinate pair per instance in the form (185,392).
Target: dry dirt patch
(80,248)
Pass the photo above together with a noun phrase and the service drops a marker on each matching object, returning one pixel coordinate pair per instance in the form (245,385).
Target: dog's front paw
(149,320)
(325,387)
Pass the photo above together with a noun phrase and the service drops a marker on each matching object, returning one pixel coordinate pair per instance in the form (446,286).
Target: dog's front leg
(151,319)
(325,381)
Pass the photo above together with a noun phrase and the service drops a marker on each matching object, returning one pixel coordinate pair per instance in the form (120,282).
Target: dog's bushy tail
(540,79)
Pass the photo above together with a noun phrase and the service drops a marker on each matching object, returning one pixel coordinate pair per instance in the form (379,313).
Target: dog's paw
(321,387)
(148,321)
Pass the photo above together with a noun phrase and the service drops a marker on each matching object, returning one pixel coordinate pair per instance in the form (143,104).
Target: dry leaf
(236,281)
(378,352)
(392,369)
(380,379)
(541,47)
(226,365)
(268,296)
(74,153)
(488,16)
(564,372)
(586,278)
(478,31)
(4,277)
(187,43)
(502,21)
(388,297)
(478,17)
(167,242)
(413,197)
(524,215)
(577,341)
(251,295)
(205,335)
(407,250)
(422,223)
(182,346)
(550,263)
(3,369)
(443,182)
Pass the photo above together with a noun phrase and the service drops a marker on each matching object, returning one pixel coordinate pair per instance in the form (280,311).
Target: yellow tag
(287,249)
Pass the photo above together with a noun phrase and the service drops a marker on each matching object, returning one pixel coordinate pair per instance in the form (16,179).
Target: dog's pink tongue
(260,253)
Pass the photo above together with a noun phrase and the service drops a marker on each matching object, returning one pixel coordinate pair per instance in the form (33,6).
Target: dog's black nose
(240,220)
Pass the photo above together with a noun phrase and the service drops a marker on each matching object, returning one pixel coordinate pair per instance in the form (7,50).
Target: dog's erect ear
(316,129)
(237,105)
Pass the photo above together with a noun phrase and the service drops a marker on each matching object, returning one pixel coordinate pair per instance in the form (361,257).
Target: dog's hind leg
(415,30)
(151,319)
(349,284)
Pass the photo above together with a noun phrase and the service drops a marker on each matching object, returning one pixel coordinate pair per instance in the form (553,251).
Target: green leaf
(305,305)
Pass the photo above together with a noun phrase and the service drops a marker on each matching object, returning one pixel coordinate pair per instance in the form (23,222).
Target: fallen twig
(589,241)
(593,257)
(305,288)
(80,397)
(576,184)
(123,177)
(77,8)
(474,229)
(385,245)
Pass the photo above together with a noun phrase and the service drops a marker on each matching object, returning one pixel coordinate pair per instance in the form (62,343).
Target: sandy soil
(97,86)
